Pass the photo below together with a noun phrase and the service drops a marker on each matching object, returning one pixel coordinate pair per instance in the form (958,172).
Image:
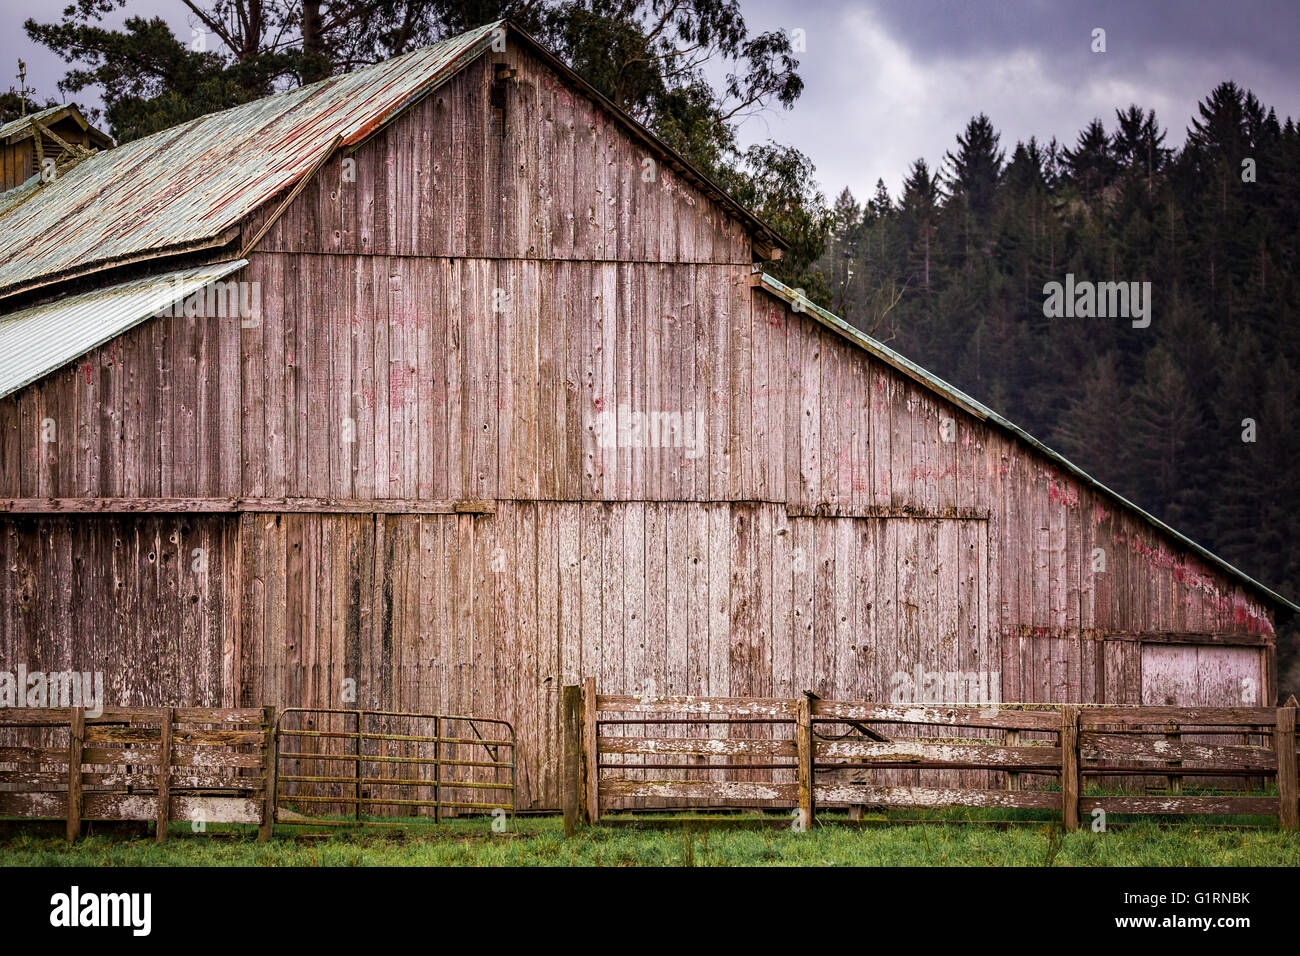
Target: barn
(442,384)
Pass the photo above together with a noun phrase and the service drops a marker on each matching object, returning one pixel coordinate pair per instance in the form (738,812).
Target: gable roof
(187,188)
(16,130)
(982,412)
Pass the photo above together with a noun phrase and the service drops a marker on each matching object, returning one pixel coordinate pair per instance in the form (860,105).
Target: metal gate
(338,766)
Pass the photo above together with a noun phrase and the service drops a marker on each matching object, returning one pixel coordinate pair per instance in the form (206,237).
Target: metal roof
(36,341)
(20,193)
(955,395)
(183,187)
(22,127)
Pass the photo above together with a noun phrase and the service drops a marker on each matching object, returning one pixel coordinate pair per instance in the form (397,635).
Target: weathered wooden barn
(511,402)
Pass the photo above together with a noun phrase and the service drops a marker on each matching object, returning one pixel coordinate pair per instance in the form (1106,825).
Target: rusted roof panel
(36,341)
(188,184)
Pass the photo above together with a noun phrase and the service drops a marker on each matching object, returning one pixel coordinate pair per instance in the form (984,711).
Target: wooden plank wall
(153,413)
(381,377)
(553,177)
(493,614)
(1033,612)
(145,599)
(17,164)
(443,399)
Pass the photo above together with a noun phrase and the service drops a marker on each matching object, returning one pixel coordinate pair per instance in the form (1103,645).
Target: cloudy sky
(887,82)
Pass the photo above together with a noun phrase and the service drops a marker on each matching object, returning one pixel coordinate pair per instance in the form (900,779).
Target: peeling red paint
(857,470)
(1061,493)
(1245,615)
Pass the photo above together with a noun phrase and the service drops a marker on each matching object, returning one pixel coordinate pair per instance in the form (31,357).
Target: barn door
(1195,675)
(1191,675)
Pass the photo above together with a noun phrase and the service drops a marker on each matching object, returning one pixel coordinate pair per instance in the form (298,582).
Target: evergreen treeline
(952,274)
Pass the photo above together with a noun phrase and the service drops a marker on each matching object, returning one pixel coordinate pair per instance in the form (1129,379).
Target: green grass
(540,841)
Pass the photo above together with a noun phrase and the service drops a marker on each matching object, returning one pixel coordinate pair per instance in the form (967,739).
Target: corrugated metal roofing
(188,184)
(20,193)
(36,341)
(983,412)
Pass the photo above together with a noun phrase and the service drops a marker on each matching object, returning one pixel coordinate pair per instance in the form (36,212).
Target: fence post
(804,748)
(356,774)
(269,770)
(1288,815)
(573,792)
(1013,740)
(437,769)
(590,752)
(1173,783)
(76,740)
(1070,766)
(164,774)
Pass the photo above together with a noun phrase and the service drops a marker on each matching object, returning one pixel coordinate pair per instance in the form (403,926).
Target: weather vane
(23,89)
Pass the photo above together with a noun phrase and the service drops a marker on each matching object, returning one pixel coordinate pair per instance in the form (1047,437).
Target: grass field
(540,841)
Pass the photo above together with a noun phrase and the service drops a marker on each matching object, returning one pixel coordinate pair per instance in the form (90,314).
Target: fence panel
(202,765)
(701,752)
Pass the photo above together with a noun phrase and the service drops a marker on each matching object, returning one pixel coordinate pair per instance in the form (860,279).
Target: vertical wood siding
(553,177)
(147,600)
(494,614)
(456,324)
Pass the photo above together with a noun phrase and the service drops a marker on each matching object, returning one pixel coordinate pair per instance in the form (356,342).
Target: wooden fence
(164,764)
(624,752)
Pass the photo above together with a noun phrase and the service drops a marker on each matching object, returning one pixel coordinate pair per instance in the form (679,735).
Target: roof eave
(219,240)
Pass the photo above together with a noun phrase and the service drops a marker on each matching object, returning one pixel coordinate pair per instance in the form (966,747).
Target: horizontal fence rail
(361,763)
(1127,742)
(627,752)
(201,765)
